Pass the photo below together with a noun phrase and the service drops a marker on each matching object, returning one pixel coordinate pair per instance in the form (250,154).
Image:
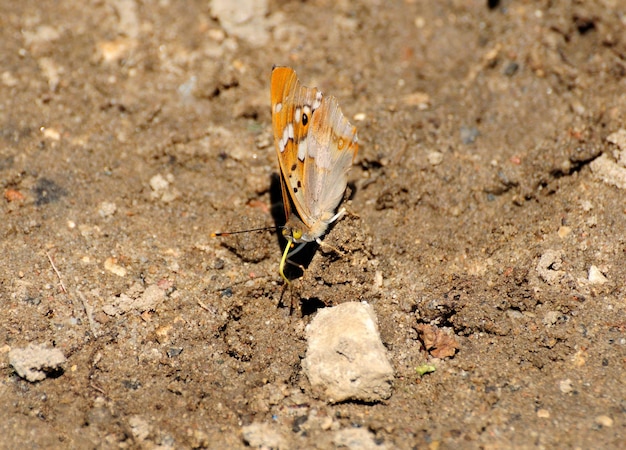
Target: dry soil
(130,131)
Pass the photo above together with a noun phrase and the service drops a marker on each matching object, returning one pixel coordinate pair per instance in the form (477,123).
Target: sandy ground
(130,131)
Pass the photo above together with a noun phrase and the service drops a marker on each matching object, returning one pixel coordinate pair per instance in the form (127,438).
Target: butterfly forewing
(287,98)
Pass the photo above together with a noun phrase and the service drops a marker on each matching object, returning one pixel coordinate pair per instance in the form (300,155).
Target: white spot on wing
(278,107)
(318,100)
(287,134)
(298,114)
(283,140)
(285,137)
(303,149)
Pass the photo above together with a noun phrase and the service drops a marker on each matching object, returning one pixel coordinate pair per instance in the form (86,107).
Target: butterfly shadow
(299,262)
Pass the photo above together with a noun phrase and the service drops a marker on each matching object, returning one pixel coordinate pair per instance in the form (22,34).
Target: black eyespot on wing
(299,184)
(295,190)
(305,119)
(293,167)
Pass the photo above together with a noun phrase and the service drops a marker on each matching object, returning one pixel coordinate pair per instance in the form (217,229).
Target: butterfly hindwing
(332,146)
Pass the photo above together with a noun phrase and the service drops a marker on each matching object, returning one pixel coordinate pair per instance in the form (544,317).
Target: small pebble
(110,265)
(595,276)
(107,209)
(469,135)
(551,318)
(565,386)
(564,231)
(357,439)
(604,421)
(435,158)
(543,413)
(263,435)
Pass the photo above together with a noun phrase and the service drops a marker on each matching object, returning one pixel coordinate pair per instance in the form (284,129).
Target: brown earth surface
(130,131)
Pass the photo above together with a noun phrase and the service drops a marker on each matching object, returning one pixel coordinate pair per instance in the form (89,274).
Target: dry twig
(57,272)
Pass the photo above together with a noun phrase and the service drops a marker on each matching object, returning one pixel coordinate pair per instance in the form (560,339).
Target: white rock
(356,439)
(263,435)
(152,297)
(565,386)
(604,421)
(162,189)
(111,265)
(149,300)
(619,138)
(128,16)
(543,413)
(245,19)
(345,358)
(595,276)
(140,427)
(435,158)
(159,183)
(551,318)
(107,209)
(36,361)
(549,266)
(607,170)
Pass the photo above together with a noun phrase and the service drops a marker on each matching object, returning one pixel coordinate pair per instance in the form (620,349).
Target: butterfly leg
(293,252)
(329,247)
(298,248)
(321,243)
(337,216)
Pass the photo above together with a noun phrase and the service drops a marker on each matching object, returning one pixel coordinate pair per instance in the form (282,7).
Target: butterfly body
(316,146)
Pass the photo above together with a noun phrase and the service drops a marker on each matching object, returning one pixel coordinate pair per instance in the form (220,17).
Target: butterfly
(316,147)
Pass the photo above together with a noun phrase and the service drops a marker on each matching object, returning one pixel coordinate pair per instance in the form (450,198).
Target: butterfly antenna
(228,233)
